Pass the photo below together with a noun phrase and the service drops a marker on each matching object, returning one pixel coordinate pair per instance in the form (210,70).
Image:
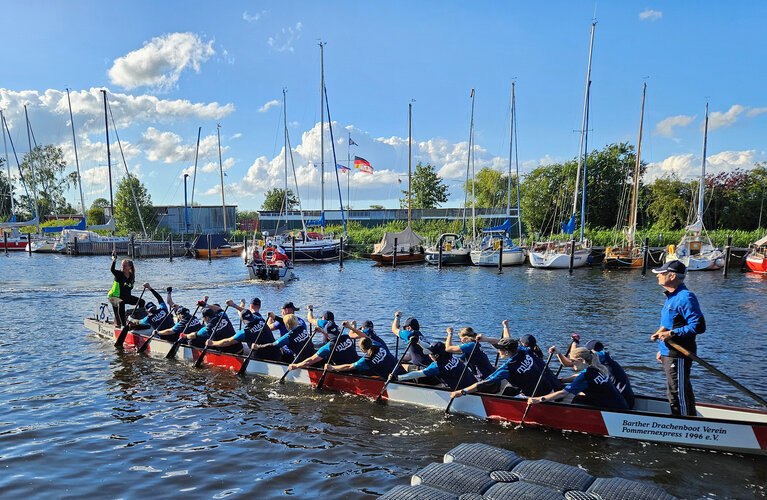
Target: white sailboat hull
(709,261)
(559,260)
(489,257)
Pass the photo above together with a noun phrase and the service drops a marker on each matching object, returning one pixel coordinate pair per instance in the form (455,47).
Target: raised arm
(395,324)
(449,346)
(310,315)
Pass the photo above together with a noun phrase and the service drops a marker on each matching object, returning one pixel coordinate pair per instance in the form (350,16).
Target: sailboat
(453,248)
(496,242)
(15,241)
(695,249)
(756,260)
(564,254)
(629,255)
(407,243)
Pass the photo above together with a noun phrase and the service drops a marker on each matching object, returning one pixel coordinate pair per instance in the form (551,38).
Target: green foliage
(95,217)
(490,189)
(610,180)
(100,203)
(5,191)
(376,207)
(740,239)
(427,188)
(48,180)
(669,202)
(246,215)
(274,200)
(547,196)
(61,222)
(126,215)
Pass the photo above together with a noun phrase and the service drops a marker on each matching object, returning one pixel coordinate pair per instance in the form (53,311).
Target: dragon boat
(716,427)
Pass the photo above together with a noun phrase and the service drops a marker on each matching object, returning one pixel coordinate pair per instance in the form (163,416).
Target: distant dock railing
(134,249)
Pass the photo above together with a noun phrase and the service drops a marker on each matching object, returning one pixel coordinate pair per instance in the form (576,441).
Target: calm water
(79,417)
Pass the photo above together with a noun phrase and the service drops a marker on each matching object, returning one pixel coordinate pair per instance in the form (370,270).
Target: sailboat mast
(77,161)
(109,157)
(583,123)
(516,161)
(409,168)
(703,169)
(8,166)
(635,191)
(471,163)
(32,165)
(285,147)
(221,171)
(511,146)
(194,176)
(322,130)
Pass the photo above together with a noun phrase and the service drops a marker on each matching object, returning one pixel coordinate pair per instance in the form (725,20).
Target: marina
(126,407)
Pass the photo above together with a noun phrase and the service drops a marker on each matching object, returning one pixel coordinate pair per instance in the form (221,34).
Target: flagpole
(348,168)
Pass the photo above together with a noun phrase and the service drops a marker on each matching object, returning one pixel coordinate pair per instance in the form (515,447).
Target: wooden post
(245,247)
(341,253)
(170,247)
(293,250)
(5,240)
(727,250)
(210,250)
(75,249)
(394,255)
(132,249)
(29,243)
(645,254)
(572,254)
(439,262)
(500,256)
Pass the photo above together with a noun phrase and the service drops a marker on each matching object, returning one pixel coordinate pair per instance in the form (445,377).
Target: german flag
(363,165)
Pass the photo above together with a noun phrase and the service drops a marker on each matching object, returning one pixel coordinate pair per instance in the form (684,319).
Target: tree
(376,207)
(48,180)
(246,215)
(427,188)
(490,189)
(274,200)
(100,203)
(669,202)
(610,180)
(126,215)
(5,193)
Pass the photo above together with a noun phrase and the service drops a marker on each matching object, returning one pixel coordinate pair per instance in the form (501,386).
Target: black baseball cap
(289,305)
(595,345)
(367,324)
(528,340)
(255,301)
(672,266)
(507,344)
(411,322)
(208,312)
(437,348)
(328,315)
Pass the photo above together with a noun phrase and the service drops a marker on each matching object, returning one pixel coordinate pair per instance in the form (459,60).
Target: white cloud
(159,63)
(237,136)
(650,15)
(756,112)
(718,119)
(687,166)
(214,165)
(270,104)
(666,126)
(283,41)
(252,17)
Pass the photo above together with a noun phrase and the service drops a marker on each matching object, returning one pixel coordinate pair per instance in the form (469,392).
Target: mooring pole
(341,253)
(293,250)
(170,247)
(394,255)
(5,240)
(29,243)
(500,256)
(245,247)
(132,249)
(76,248)
(439,262)
(572,254)
(645,254)
(210,250)
(727,250)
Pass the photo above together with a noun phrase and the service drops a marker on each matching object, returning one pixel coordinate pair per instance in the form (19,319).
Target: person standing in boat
(296,339)
(366,331)
(479,364)
(411,329)
(618,376)
(339,344)
(445,367)
(681,320)
(120,294)
(592,386)
(519,373)
(376,361)
(158,317)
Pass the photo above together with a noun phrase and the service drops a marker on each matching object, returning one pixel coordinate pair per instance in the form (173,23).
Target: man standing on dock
(681,320)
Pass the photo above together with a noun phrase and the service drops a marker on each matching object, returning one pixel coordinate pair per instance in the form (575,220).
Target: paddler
(592,386)
(296,338)
(339,343)
(681,320)
(366,331)
(479,364)
(183,318)
(376,361)
(218,326)
(157,317)
(446,367)
(411,329)
(252,330)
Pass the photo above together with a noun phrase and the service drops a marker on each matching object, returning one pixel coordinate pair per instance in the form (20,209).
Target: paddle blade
(146,343)
(244,367)
(174,349)
(121,337)
(198,363)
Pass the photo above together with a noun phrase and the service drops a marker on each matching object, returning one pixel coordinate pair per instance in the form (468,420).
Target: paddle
(298,356)
(330,356)
(460,379)
(174,348)
(146,343)
(124,331)
(244,366)
(716,372)
(198,363)
(522,422)
(576,340)
(399,362)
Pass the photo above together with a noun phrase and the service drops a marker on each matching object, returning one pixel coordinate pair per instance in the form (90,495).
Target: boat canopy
(405,241)
(505,227)
(55,229)
(12,223)
(109,226)
(216,241)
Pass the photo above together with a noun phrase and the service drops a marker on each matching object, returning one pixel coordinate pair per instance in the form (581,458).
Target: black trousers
(118,305)
(678,386)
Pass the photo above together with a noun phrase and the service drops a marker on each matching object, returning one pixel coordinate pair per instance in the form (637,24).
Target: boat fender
(671,249)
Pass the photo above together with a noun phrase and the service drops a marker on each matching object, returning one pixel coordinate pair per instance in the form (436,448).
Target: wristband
(543,398)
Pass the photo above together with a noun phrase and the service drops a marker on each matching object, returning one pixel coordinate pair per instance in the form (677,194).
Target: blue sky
(171,67)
